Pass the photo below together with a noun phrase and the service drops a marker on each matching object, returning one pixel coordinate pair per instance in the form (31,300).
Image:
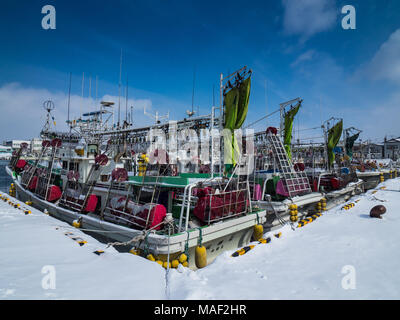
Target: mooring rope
(167,291)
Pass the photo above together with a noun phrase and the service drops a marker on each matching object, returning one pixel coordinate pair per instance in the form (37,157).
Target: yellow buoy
(159,262)
(175,263)
(133,251)
(201,256)
(182,258)
(76,223)
(150,257)
(185,264)
(258,232)
(167,264)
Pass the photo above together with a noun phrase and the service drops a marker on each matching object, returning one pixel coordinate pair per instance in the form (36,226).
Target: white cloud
(23,116)
(385,65)
(306,56)
(308,17)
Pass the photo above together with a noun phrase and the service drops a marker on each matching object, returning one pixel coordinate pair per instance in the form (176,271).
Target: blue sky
(296,47)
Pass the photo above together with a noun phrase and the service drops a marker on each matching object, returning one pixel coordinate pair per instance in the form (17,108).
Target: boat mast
(119,91)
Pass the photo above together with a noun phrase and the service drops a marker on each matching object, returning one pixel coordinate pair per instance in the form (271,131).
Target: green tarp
(334,135)
(236,103)
(350,143)
(287,138)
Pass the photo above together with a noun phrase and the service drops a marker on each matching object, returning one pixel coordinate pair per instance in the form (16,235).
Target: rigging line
(311,138)
(268,115)
(306,129)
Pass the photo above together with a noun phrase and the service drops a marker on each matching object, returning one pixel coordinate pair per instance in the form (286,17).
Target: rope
(140,237)
(262,118)
(200,237)
(167,291)
(146,244)
(187,245)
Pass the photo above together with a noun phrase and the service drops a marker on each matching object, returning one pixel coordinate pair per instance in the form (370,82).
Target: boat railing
(122,209)
(27,175)
(42,186)
(71,196)
(215,202)
(121,187)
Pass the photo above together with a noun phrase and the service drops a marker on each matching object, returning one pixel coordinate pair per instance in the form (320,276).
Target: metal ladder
(296,182)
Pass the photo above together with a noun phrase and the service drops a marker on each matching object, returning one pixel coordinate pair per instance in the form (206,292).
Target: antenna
(83,85)
(194,79)
(96,88)
(266,104)
(69,99)
(191,113)
(156,116)
(48,106)
(90,87)
(126,100)
(119,89)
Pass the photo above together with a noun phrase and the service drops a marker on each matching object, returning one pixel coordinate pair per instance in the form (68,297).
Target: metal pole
(221,113)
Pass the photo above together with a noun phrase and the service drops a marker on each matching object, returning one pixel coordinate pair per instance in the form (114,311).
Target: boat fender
(258,232)
(77,223)
(160,262)
(185,264)
(201,256)
(167,264)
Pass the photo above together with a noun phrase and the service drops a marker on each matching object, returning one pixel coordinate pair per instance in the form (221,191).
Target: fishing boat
(339,181)
(106,188)
(279,186)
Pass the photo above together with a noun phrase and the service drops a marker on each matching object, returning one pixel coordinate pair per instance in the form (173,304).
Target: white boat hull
(226,235)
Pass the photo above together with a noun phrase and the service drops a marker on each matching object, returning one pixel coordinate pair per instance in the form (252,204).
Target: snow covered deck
(312,262)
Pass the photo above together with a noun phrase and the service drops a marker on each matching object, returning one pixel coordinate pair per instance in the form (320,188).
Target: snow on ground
(305,263)
(28,243)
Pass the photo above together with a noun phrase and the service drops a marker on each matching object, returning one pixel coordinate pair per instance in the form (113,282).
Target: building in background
(392,148)
(36,146)
(368,150)
(16,144)
(5,153)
